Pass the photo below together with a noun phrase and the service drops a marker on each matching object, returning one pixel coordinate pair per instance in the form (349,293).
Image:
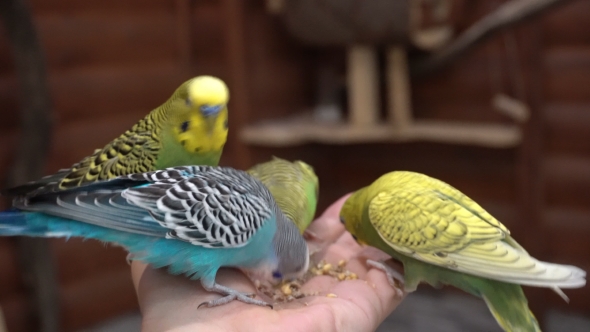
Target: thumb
(327,228)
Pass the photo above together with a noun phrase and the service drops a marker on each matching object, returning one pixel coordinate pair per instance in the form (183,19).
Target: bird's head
(201,121)
(351,215)
(311,186)
(289,257)
(290,249)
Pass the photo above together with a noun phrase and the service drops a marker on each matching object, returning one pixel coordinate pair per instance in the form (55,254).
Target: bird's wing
(214,207)
(443,230)
(133,152)
(206,206)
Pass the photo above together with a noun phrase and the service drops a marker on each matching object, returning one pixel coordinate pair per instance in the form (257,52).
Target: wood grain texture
(101,92)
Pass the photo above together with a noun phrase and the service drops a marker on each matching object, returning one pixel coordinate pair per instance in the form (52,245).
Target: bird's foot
(129,259)
(230,295)
(314,242)
(310,235)
(392,276)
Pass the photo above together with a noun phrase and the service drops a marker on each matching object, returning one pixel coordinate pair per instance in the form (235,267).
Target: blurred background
(490,96)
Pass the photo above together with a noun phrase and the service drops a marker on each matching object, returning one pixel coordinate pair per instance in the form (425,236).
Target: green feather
(506,301)
(294,185)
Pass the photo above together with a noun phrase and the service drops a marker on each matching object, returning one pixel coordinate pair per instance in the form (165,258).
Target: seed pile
(289,291)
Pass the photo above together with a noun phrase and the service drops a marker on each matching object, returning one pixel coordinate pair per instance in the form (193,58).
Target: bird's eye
(277,275)
(187,101)
(184,126)
(225,125)
(342,220)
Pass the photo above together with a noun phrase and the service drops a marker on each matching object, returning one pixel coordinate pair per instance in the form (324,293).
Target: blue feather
(14,222)
(181,257)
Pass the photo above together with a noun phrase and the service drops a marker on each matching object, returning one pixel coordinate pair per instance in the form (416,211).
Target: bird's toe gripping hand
(392,276)
(230,295)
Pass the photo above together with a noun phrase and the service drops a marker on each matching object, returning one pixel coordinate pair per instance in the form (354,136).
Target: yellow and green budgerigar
(442,237)
(294,186)
(190,128)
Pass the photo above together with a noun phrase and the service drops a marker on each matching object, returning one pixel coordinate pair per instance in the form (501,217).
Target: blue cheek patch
(208,110)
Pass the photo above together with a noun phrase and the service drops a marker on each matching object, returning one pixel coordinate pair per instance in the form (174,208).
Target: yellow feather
(431,221)
(190,128)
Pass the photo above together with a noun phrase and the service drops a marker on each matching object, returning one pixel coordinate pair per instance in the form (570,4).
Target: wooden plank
(69,7)
(17,313)
(235,47)
(184,32)
(9,102)
(575,220)
(275,98)
(567,182)
(208,27)
(113,39)
(10,278)
(6,63)
(566,74)
(78,259)
(567,245)
(467,81)
(98,91)
(296,131)
(563,27)
(458,110)
(92,300)
(567,126)
(7,149)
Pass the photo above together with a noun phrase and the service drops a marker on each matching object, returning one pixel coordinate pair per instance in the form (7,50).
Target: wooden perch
(363,85)
(35,254)
(506,15)
(303,130)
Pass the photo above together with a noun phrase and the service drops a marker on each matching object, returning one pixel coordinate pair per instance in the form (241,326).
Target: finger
(137,269)
(387,295)
(167,302)
(328,228)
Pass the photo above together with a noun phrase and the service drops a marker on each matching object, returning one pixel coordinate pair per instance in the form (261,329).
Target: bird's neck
(174,154)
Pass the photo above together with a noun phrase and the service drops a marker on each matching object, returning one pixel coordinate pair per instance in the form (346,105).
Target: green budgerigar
(190,128)
(442,237)
(294,186)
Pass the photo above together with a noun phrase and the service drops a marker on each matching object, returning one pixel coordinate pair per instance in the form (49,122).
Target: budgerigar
(190,128)
(294,185)
(442,237)
(193,219)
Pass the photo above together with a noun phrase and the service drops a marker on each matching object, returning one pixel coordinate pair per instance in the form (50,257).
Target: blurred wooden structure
(35,256)
(363,27)
(110,62)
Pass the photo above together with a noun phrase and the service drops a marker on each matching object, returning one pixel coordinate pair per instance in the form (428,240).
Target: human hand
(170,302)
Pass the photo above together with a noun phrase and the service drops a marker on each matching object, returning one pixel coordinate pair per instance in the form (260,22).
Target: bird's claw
(129,259)
(231,295)
(246,298)
(392,276)
(310,236)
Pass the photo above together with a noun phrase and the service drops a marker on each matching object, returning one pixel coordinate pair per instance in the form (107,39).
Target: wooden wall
(110,62)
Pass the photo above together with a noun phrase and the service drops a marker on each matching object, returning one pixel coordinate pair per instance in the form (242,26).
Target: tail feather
(14,222)
(509,306)
(506,301)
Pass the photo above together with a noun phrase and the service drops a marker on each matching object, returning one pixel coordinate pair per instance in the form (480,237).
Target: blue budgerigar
(192,219)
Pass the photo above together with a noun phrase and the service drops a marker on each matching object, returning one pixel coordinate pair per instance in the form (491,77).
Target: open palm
(170,302)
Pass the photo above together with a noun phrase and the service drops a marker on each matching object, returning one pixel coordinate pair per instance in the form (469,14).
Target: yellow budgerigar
(294,186)
(190,128)
(442,237)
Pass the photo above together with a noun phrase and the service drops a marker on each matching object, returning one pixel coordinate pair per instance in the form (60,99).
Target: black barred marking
(208,206)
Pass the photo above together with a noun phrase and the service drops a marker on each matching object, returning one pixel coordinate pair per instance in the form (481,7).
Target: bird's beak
(210,120)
